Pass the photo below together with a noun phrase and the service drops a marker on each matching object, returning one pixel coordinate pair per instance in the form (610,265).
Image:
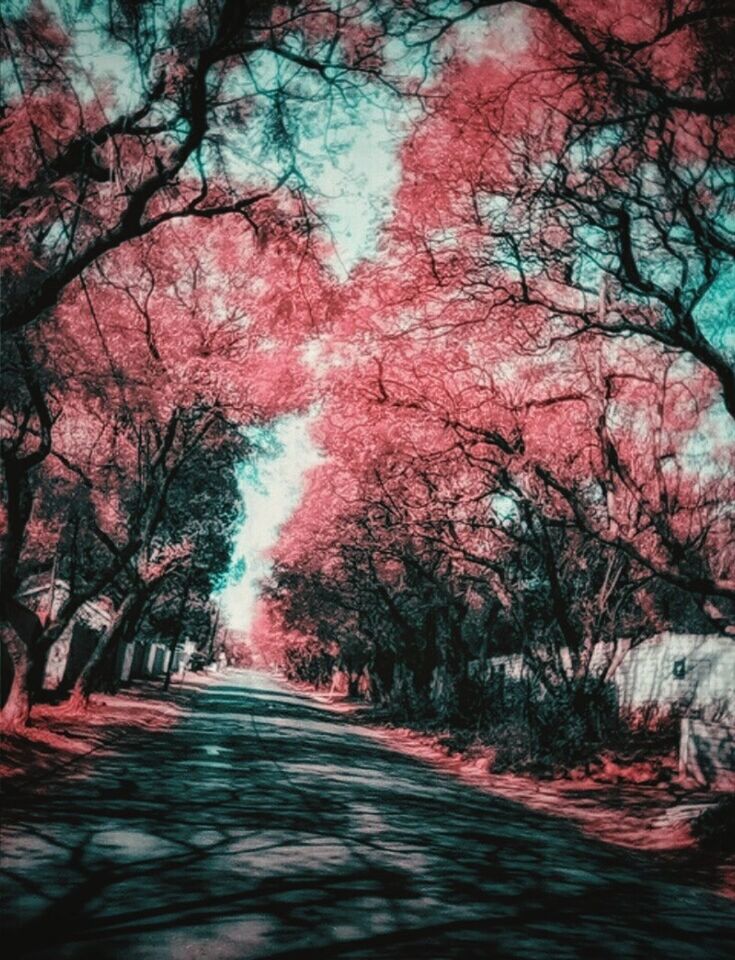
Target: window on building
(680,668)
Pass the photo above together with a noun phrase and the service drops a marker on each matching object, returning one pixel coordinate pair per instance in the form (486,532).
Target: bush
(405,702)
(308,662)
(529,727)
(715,828)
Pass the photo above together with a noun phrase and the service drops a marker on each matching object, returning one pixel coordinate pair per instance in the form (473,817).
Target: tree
(156,367)
(560,493)
(591,194)
(86,172)
(24,447)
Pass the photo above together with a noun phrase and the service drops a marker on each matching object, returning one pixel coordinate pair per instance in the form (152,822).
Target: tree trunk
(382,673)
(19,505)
(20,632)
(56,627)
(37,673)
(173,644)
(46,638)
(17,708)
(129,610)
(427,655)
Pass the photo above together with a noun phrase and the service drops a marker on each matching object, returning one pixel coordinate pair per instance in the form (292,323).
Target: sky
(270,486)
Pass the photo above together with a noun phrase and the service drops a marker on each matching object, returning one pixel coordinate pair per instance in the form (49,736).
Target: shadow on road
(263,826)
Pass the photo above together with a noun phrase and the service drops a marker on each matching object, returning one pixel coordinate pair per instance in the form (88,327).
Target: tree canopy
(525,393)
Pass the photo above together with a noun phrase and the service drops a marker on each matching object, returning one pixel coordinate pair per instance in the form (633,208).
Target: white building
(693,673)
(46,594)
(696,673)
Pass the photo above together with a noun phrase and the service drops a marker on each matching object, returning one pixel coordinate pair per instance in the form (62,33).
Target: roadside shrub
(406,703)
(637,739)
(475,702)
(715,828)
(529,726)
(308,662)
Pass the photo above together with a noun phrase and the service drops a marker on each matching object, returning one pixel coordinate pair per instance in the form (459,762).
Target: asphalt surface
(263,826)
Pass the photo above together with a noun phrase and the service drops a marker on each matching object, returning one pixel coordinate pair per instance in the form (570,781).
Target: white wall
(707,753)
(646,673)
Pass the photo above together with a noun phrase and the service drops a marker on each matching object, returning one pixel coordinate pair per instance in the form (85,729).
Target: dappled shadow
(264,826)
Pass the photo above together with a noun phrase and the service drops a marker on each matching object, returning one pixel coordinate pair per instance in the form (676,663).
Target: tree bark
(174,642)
(19,506)
(128,612)
(16,709)
(41,650)
(19,634)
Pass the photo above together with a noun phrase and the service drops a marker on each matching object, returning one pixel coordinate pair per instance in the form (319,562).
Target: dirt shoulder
(641,816)
(58,739)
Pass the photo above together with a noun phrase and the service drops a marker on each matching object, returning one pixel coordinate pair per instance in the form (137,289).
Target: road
(263,826)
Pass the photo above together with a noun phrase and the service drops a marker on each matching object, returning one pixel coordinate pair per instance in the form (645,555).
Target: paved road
(262,826)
